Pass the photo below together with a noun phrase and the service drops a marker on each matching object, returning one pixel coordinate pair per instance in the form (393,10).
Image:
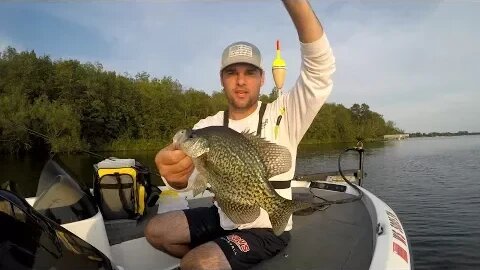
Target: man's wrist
(174,184)
(178,186)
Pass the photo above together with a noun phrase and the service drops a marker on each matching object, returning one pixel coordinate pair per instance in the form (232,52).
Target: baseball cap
(241,52)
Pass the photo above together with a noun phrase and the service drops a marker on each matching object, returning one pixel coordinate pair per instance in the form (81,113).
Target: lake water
(433,184)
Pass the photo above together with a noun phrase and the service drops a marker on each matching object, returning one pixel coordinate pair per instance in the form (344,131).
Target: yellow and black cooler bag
(122,188)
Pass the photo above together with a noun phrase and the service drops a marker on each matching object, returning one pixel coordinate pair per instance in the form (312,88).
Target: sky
(417,63)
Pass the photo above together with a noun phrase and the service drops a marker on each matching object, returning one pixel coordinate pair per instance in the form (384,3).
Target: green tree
(58,122)
(14,116)
(82,106)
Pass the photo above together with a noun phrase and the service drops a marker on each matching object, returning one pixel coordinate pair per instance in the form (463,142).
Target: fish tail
(281,214)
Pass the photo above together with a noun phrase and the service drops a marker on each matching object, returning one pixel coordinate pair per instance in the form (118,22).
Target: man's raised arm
(306,22)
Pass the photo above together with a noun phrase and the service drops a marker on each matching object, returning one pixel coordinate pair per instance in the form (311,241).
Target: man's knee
(165,228)
(153,231)
(206,256)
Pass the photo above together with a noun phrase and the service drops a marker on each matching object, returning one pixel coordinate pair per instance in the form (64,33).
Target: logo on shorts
(240,242)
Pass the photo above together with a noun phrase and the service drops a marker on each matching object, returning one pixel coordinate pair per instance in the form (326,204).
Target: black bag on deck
(122,188)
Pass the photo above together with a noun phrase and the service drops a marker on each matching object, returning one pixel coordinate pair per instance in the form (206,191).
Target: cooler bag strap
(121,194)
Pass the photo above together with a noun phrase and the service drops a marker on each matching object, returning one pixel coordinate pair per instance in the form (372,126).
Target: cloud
(6,41)
(34,26)
(442,113)
(407,70)
(414,62)
(182,40)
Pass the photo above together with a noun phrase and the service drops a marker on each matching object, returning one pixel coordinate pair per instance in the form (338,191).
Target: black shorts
(242,248)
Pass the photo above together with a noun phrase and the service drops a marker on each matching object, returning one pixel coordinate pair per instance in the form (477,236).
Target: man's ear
(221,81)
(263,77)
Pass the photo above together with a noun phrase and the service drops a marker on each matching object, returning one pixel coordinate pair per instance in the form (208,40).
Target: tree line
(66,105)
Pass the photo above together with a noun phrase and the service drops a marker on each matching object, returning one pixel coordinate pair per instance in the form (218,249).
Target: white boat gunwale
(94,231)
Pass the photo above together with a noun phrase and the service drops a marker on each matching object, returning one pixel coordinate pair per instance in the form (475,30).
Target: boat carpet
(339,237)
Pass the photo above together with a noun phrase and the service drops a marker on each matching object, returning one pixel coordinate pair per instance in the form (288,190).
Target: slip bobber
(279,69)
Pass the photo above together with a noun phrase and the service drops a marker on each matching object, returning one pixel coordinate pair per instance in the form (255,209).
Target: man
(204,237)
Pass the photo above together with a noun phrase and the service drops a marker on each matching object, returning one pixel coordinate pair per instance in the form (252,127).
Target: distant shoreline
(442,134)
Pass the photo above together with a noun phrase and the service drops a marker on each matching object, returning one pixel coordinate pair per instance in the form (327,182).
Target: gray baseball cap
(241,52)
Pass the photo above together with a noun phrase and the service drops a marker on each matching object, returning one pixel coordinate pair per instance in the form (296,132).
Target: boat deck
(339,237)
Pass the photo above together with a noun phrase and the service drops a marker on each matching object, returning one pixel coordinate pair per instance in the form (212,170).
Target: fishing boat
(63,227)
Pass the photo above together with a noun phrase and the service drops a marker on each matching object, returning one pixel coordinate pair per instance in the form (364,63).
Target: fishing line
(317,206)
(47,139)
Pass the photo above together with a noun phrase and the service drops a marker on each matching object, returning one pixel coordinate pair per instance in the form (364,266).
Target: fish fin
(199,148)
(280,215)
(239,213)
(277,158)
(199,184)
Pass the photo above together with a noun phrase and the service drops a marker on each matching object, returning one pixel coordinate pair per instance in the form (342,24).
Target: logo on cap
(240,50)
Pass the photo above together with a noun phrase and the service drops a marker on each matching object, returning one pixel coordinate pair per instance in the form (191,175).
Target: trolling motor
(359,174)
(316,182)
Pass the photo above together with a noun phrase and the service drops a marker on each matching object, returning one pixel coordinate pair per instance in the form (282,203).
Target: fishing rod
(48,140)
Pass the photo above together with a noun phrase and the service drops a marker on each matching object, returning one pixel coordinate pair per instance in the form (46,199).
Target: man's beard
(243,107)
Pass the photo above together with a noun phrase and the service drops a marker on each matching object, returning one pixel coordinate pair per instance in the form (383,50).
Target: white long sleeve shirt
(300,104)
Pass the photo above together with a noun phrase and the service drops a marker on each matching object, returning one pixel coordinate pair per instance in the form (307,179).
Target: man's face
(242,83)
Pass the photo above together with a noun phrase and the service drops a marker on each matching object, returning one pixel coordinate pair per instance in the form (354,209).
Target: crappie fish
(237,166)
